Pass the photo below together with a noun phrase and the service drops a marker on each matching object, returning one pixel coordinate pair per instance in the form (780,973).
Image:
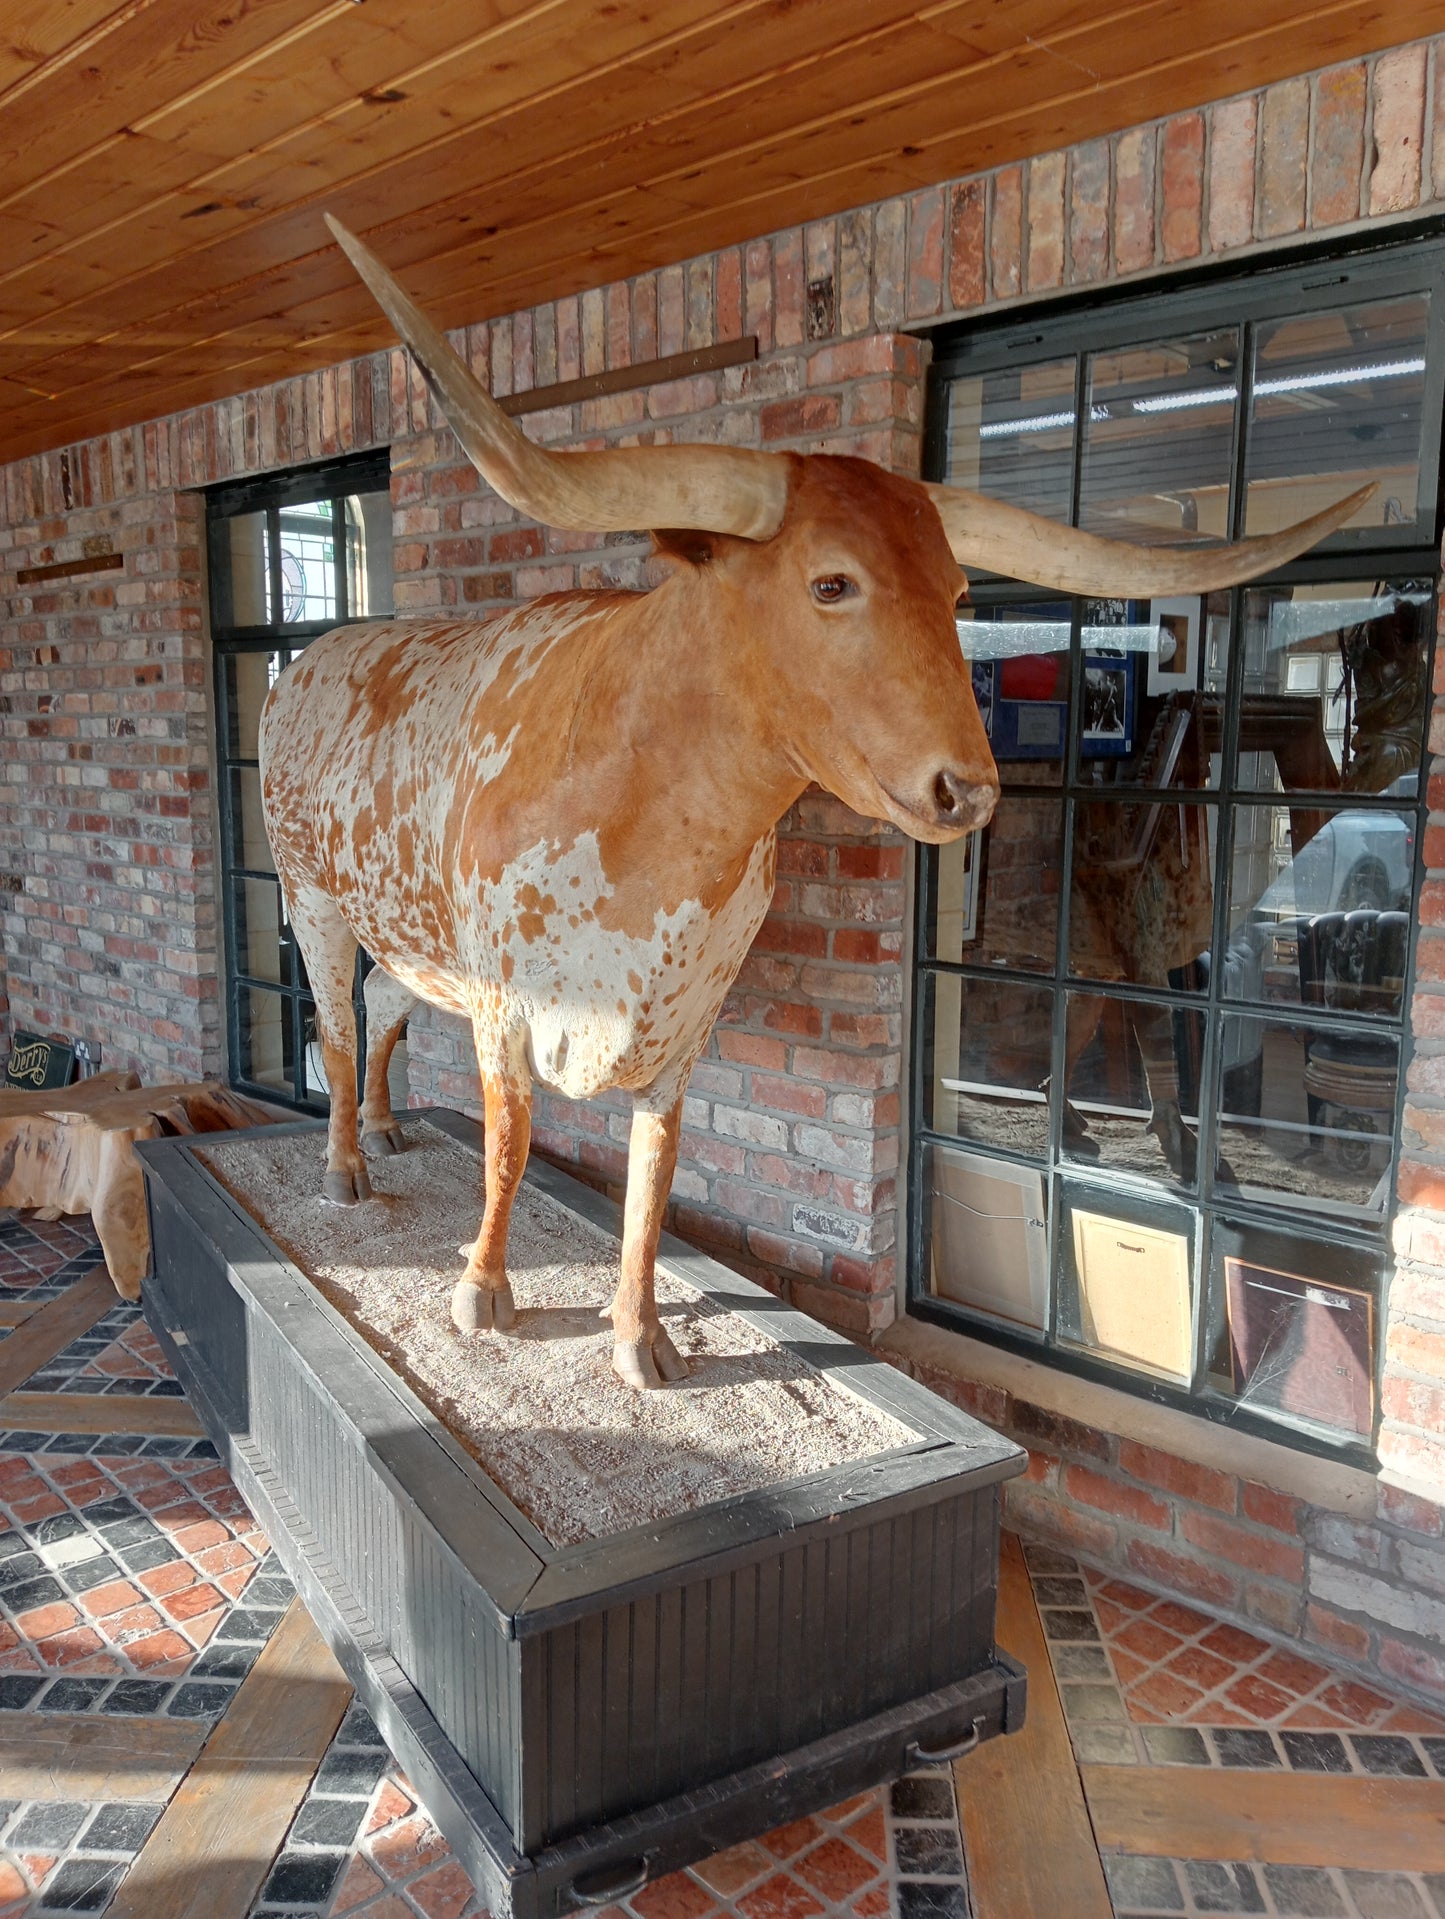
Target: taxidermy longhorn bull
(561,823)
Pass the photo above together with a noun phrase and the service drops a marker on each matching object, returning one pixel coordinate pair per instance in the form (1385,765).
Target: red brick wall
(793,1125)
(109,920)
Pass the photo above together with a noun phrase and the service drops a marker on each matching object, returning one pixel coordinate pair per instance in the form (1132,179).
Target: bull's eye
(832,588)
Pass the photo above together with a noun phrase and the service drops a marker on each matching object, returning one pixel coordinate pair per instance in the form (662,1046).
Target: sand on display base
(542,1412)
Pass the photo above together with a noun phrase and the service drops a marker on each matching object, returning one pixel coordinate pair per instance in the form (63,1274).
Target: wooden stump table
(70,1151)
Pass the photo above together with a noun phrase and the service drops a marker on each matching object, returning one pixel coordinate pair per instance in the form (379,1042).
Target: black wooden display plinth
(579,1719)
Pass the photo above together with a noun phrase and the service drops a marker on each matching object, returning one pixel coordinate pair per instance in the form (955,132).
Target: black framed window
(291,557)
(1159,1004)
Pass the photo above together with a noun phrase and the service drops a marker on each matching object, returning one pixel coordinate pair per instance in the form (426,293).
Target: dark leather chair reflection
(1352,963)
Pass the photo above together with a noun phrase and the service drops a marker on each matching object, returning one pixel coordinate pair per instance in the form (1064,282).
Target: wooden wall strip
(624,379)
(1026,1831)
(72,1755)
(98,1413)
(63,569)
(51,1330)
(1286,1819)
(214,1844)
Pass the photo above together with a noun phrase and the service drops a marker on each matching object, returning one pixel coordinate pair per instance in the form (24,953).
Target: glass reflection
(1336,687)
(994,897)
(1319,907)
(1011,435)
(1314,1120)
(308,562)
(1293,1327)
(249,677)
(1158,439)
(1019,657)
(1141,909)
(1338,401)
(986,1061)
(1131,1086)
(249,846)
(261,939)
(250,574)
(263,1033)
(369,590)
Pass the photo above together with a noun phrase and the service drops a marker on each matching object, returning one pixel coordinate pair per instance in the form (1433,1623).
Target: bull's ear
(689,546)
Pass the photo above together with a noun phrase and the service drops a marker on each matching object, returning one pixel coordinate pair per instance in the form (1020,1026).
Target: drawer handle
(921,1756)
(608,1883)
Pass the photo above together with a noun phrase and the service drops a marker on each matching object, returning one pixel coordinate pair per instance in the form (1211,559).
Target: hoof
(483,1309)
(384,1142)
(642,1363)
(346,1189)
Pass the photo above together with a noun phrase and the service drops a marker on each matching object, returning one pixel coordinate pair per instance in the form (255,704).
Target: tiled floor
(133,1581)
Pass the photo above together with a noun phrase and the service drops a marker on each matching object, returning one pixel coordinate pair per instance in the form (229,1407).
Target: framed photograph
(1108,704)
(1174,667)
(1020,703)
(1301,1346)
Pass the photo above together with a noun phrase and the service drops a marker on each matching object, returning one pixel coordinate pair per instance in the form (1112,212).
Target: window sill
(1319,1482)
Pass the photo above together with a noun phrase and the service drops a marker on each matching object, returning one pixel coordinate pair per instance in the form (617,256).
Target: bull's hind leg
(642,1353)
(328,947)
(482,1299)
(388,1007)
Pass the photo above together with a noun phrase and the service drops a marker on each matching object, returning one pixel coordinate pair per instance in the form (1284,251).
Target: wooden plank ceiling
(164,163)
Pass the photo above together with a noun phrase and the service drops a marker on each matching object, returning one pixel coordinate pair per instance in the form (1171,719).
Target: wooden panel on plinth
(216,1840)
(1026,1832)
(1283,1819)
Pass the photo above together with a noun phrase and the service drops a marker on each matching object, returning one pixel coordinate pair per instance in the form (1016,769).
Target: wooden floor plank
(74,1756)
(1283,1819)
(99,1413)
(213,1845)
(1026,1830)
(15,1312)
(51,1330)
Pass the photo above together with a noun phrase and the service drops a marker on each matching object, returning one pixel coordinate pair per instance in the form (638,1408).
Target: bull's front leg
(642,1353)
(482,1298)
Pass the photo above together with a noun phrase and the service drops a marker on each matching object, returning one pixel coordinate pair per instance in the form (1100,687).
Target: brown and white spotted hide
(560,823)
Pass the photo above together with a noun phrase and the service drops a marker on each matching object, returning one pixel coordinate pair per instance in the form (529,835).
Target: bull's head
(847,577)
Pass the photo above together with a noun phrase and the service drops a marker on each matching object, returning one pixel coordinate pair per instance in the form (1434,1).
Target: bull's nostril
(944,794)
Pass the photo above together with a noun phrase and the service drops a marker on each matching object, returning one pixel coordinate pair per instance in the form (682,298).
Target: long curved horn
(1026,546)
(712,488)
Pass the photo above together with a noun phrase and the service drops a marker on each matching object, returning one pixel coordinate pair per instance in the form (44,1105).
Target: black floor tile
(1245,1746)
(921,1797)
(1388,1756)
(303,1878)
(119,1828)
(1315,1751)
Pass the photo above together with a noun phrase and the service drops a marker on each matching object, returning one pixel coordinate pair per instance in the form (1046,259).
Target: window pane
(1315,1120)
(263,1036)
(986,1061)
(1142,904)
(248,678)
(313,1067)
(1338,401)
(1126,1289)
(994,900)
(250,572)
(1293,1326)
(1021,678)
(988,1238)
(1011,435)
(368,555)
(1158,439)
(1132,1086)
(1154,680)
(1319,907)
(249,845)
(1336,687)
(308,563)
(262,943)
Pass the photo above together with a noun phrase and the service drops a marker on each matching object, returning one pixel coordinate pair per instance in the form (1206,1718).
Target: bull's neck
(706,723)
